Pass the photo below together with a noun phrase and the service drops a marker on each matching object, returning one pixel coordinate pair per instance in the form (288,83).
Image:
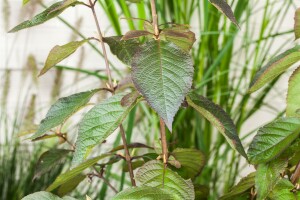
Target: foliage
(164,68)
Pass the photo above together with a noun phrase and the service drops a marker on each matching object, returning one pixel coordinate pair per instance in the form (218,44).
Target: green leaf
(163,74)
(65,4)
(63,178)
(283,191)
(273,139)
(191,160)
(297,24)
(275,67)
(101,121)
(123,49)
(59,53)
(48,160)
(70,185)
(45,196)
(183,38)
(293,95)
(219,118)
(201,192)
(144,192)
(223,7)
(242,187)
(152,174)
(62,109)
(46,15)
(293,152)
(267,176)
(25,2)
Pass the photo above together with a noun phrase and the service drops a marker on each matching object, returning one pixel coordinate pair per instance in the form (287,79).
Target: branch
(295,177)
(108,72)
(163,141)
(127,155)
(154,18)
(100,175)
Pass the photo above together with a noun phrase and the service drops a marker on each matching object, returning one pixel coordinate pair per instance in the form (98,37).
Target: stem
(100,175)
(127,155)
(108,72)
(154,18)
(296,174)
(163,141)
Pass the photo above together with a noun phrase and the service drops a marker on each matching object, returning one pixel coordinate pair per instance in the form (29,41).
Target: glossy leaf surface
(163,74)
(101,121)
(62,109)
(275,67)
(273,139)
(219,118)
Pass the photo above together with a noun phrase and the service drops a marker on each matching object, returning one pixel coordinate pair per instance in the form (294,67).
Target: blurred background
(225,60)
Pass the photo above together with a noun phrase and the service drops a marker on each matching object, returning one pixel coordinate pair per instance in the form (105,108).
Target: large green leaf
(147,193)
(63,178)
(46,15)
(48,160)
(219,118)
(283,191)
(222,6)
(152,174)
(297,24)
(293,95)
(191,160)
(275,67)
(242,187)
(123,49)
(59,53)
(62,109)
(267,176)
(273,139)
(45,196)
(101,121)
(163,74)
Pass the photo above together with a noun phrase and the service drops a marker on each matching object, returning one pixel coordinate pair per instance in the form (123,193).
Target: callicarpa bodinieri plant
(161,74)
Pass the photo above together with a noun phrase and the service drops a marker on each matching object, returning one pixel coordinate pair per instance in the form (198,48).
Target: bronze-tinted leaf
(135,34)
(222,6)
